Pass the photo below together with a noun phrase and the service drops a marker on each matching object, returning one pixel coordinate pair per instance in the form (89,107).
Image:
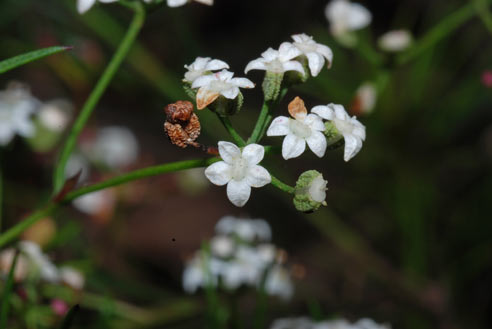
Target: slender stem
(256,134)
(16,230)
(481,7)
(442,29)
(97,92)
(280,185)
(234,134)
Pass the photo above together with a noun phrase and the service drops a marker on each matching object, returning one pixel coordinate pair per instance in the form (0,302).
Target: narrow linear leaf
(67,322)
(11,63)
(6,294)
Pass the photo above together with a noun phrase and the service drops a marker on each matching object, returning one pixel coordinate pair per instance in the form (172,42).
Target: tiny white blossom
(21,268)
(307,323)
(16,108)
(279,283)
(246,229)
(394,41)
(179,3)
(239,170)
(85,5)
(98,203)
(55,115)
(222,246)
(354,132)
(75,164)
(203,66)
(303,128)
(42,264)
(72,277)
(345,17)
(315,53)
(211,86)
(114,146)
(278,61)
(201,271)
(365,98)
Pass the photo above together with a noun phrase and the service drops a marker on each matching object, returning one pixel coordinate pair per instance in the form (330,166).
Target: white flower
(315,53)
(179,3)
(114,146)
(354,132)
(201,271)
(42,265)
(21,267)
(55,115)
(220,83)
(85,5)
(278,283)
(75,164)
(16,107)
(278,61)
(72,277)
(239,170)
(306,323)
(99,203)
(222,246)
(247,229)
(395,41)
(304,128)
(365,98)
(203,66)
(345,16)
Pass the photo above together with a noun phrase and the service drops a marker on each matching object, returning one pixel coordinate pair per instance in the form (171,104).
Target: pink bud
(487,79)
(59,307)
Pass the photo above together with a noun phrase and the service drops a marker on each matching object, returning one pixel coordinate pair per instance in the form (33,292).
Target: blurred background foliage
(406,236)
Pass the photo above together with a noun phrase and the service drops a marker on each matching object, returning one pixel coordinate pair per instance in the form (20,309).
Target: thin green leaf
(67,322)
(11,63)
(6,294)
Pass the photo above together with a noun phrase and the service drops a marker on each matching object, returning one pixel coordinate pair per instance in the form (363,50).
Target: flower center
(305,47)
(239,169)
(219,85)
(343,126)
(299,129)
(275,66)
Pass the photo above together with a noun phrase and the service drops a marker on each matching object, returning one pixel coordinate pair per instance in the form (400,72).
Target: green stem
(442,29)
(280,185)
(256,134)
(482,9)
(97,92)
(226,122)
(16,230)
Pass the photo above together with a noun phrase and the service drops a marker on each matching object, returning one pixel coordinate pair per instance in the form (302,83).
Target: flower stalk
(96,94)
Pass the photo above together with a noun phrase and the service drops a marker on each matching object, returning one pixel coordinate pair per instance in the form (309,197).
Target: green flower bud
(310,191)
(225,106)
(271,85)
(334,138)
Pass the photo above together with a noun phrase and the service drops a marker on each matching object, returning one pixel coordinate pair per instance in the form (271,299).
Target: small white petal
(218,173)
(352,146)
(326,52)
(243,82)
(340,112)
(206,2)
(314,122)
(205,97)
(317,143)
(253,153)
(224,75)
(238,192)
(270,54)
(258,176)
(203,81)
(257,64)
(107,1)
(323,111)
(176,3)
(359,17)
(84,5)
(316,62)
(216,64)
(231,92)
(293,66)
(229,152)
(292,146)
(279,127)
(288,51)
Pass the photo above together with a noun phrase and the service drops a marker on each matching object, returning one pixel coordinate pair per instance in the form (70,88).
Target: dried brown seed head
(183,134)
(179,112)
(297,107)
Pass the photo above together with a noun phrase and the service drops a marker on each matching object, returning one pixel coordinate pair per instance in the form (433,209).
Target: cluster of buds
(182,126)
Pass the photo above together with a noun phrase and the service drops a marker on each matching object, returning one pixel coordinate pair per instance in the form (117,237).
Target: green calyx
(303,199)
(226,107)
(272,84)
(334,138)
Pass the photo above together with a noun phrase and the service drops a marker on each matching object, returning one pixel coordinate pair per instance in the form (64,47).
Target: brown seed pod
(179,112)
(182,126)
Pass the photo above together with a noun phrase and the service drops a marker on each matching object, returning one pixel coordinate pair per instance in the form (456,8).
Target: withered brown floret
(182,126)
(179,112)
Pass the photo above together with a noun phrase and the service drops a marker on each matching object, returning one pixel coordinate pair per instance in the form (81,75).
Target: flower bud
(334,138)
(272,84)
(310,191)
(225,106)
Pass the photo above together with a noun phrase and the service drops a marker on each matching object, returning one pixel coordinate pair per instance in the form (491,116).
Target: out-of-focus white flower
(345,17)
(365,98)
(75,164)
(307,323)
(246,229)
(277,61)
(42,265)
(239,170)
(303,128)
(394,41)
(72,277)
(16,108)
(201,271)
(85,5)
(203,66)
(354,132)
(114,146)
(98,203)
(55,115)
(222,246)
(278,283)
(21,268)
(315,53)
(179,3)
(221,83)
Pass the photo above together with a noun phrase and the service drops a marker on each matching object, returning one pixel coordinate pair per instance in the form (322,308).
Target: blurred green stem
(256,134)
(96,94)
(442,29)
(483,11)
(226,122)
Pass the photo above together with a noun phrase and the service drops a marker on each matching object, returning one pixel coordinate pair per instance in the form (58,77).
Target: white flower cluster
(32,262)
(307,128)
(290,56)
(240,255)
(85,5)
(306,323)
